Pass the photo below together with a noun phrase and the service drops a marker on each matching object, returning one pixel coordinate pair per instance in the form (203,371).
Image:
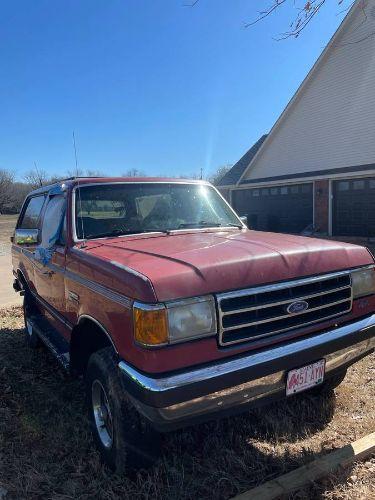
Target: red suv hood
(195,263)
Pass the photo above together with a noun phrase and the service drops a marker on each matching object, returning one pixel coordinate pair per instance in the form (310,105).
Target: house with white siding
(316,167)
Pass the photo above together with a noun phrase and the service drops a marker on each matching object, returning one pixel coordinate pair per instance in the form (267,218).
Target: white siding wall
(332,122)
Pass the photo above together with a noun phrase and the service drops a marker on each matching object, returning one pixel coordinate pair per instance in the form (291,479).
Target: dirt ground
(46,451)
(7,295)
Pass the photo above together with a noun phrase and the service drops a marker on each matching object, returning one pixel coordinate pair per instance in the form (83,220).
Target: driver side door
(49,276)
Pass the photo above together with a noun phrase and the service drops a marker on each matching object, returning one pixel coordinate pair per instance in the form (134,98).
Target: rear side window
(32,213)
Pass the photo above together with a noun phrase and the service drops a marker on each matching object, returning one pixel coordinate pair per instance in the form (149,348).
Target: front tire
(30,309)
(125,440)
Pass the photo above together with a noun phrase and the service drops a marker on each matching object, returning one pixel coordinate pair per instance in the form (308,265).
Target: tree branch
(191,4)
(305,14)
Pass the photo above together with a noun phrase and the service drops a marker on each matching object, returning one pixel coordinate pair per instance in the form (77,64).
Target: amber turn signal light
(150,325)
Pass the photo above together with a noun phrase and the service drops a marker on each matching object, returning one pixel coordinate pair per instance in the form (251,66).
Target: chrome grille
(262,311)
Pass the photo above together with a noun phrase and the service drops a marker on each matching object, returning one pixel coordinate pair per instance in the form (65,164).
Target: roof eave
(300,89)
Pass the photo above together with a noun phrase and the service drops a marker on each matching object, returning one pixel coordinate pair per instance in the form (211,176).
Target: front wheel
(30,309)
(125,440)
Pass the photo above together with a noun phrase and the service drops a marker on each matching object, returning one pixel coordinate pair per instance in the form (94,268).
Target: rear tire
(30,309)
(124,438)
(330,384)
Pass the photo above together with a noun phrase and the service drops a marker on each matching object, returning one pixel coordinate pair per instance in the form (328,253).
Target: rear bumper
(182,398)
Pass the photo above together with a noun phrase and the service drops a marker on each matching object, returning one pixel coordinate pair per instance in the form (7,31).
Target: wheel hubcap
(102,414)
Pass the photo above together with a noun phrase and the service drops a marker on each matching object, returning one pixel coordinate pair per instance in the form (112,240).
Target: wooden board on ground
(318,468)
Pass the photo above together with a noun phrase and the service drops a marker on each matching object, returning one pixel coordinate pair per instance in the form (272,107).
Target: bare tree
(219,174)
(94,173)
(36,177)
(19,192)
(134,172)
(81,172)
(55,178)
(194,177)
(6,188)
(304,12)
(76,172)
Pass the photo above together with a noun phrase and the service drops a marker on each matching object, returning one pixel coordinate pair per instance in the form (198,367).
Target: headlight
(175,321)
(363,282)
(191,318)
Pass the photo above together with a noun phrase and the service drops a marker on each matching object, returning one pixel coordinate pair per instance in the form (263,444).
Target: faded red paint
(200,262)
(154,268)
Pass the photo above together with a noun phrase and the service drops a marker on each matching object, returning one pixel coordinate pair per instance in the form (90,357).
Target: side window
(32,212)
(53,222)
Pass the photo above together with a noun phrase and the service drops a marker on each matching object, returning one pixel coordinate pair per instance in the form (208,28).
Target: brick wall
(321,205)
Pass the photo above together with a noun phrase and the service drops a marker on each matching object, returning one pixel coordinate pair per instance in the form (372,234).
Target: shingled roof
(234,174)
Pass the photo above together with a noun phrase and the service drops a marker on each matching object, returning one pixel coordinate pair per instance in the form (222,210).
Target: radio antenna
(79,191)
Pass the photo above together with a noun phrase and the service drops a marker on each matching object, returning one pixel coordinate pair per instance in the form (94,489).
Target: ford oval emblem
(297,307)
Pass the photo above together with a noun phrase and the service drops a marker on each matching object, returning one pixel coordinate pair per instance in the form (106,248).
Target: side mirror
(26,236)
(243,218)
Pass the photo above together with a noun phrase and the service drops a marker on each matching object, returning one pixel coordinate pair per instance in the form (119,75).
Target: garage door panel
(354,207)
(287,209)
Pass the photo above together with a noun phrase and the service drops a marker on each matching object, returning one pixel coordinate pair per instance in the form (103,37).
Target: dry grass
(357,483)
(46,450)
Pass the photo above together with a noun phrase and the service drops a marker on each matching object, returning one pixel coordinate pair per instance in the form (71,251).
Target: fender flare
(99,325)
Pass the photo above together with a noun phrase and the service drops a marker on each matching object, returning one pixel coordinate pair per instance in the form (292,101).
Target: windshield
(115,209)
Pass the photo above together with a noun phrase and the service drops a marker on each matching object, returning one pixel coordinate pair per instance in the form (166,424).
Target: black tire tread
(136,445)
(29,309)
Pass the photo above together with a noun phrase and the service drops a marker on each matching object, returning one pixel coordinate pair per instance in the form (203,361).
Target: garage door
(284,209)
(354,207)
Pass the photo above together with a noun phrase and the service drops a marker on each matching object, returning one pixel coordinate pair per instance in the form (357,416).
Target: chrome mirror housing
(26,236)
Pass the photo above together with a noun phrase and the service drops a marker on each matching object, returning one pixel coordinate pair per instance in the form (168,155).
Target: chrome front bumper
(200,393)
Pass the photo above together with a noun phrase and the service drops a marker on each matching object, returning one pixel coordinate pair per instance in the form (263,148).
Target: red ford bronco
(174,312)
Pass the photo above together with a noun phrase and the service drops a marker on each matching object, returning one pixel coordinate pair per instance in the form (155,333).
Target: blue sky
(146,84)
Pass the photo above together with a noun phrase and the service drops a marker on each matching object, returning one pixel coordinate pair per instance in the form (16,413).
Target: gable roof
(234,174)
(356,4)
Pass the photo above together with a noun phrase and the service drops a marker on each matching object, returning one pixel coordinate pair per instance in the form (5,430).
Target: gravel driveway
(7,295)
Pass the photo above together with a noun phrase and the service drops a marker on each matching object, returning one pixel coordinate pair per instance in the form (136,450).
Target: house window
(372,183)
(274,191)
(306,188)
(255,192)
(343,186)
(265,192)
(359,184)
(294,189)
(284,190)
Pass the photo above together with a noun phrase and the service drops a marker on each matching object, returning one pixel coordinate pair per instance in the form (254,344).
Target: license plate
(305,377)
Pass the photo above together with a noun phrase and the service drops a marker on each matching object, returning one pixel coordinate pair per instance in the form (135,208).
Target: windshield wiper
(203,223)
(116,232)
(207,224)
